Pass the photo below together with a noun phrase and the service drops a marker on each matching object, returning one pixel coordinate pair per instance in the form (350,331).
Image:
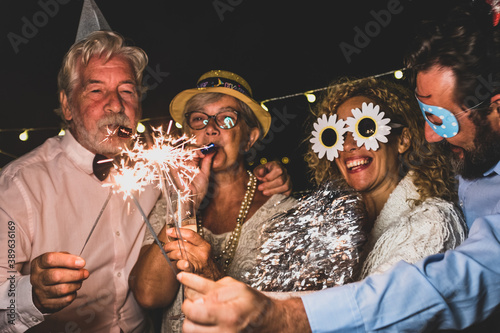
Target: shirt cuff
(28,313)
(333,309)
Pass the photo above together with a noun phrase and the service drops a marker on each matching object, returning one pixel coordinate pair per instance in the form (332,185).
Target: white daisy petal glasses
(368,127)
(328,137)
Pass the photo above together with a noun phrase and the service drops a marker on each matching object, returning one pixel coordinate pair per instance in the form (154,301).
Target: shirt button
(119,274)
(119,316)
(461,203)
(118,233)
(35,320)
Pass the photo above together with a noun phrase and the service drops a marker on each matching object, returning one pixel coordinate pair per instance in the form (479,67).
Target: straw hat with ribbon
(219,81)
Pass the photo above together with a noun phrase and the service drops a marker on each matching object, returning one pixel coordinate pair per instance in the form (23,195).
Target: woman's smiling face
(367,170)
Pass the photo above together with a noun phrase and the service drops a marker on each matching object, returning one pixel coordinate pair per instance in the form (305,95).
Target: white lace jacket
(404,232)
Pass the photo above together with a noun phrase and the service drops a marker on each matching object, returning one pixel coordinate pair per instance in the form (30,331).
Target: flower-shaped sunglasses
(368,127)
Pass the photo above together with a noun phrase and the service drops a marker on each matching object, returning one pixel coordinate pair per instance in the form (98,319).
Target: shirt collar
(496,169)
(77,153)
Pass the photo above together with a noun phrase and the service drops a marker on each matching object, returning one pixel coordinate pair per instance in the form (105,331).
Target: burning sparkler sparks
(167,164)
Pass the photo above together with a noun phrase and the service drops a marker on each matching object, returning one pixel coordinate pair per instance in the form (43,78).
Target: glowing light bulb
(398,74)
(141,128)
(285,160)
(178,125)
(23,136)
(263,160)
(264,107)
(311,98)
(62,132)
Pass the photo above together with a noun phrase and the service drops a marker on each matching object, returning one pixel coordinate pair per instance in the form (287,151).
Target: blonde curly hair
(432,174)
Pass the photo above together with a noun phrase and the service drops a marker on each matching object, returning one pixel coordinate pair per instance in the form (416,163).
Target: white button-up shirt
(49,200)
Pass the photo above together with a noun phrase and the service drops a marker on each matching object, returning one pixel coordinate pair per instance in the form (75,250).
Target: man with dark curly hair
(455,60)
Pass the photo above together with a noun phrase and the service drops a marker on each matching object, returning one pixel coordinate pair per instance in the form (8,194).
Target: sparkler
(96,221)
(168,164)
(153,233)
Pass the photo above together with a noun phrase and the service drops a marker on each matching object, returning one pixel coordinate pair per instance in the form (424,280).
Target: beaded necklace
(227,254)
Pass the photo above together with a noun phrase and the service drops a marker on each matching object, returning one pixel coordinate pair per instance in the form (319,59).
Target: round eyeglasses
(198,120)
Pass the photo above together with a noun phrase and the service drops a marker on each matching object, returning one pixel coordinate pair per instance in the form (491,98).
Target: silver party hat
(91,20)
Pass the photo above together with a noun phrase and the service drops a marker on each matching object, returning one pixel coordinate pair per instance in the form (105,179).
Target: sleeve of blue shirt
(445,291)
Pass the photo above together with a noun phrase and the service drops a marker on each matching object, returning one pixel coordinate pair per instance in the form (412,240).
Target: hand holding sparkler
(172,165)
(199,254)
(231,306)
(55,278)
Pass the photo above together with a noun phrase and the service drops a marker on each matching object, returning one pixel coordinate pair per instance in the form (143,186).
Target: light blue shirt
(446,291)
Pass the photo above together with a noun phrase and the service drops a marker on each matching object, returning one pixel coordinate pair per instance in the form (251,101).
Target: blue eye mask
(449,126)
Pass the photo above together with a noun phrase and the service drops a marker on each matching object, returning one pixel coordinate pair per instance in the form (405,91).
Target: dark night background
(279,47)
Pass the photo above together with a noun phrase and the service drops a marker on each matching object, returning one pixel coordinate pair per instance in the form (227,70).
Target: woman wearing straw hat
(231,209)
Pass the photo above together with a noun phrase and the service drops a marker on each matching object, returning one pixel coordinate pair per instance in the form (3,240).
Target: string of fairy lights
(141,128)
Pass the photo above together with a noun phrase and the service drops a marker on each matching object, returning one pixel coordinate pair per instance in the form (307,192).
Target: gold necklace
(227,254)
